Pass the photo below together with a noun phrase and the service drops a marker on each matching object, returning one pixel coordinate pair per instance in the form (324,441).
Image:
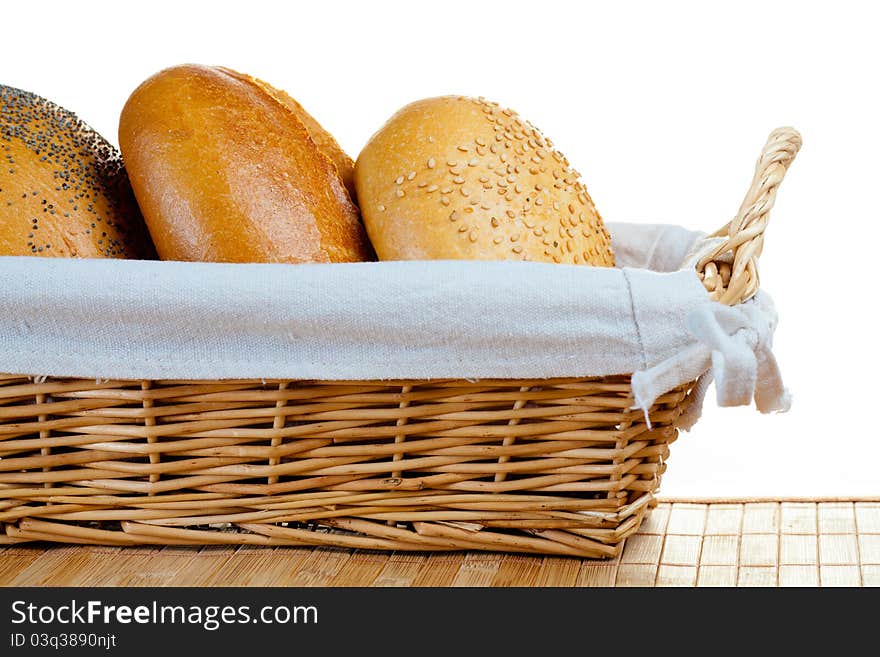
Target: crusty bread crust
(224,171)
(323,139)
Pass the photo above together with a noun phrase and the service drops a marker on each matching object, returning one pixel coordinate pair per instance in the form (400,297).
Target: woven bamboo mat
(767,543)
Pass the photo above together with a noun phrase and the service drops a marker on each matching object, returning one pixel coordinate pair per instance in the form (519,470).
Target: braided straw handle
(730,271)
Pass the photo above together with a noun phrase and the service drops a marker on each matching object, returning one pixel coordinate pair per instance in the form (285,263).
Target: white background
(663,108)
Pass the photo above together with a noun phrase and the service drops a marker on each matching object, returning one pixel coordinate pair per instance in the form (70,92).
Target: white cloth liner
(124,319)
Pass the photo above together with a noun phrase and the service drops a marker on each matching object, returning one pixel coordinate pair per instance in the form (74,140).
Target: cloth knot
(733,347)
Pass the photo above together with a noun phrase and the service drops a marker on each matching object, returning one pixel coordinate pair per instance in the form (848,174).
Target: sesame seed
(381,208)
(399,180)
(411,175)
(431,163)
(433,188)
(400,193)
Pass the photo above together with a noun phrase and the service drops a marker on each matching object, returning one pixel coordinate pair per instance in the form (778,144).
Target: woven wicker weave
(559,466)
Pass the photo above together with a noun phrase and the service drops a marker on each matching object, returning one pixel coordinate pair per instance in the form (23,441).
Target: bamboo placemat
(722,543)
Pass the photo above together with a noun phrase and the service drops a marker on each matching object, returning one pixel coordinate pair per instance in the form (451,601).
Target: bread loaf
(461,178)
(63,188)
(227,169)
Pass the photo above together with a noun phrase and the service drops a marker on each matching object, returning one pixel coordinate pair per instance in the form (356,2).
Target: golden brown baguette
(226,171)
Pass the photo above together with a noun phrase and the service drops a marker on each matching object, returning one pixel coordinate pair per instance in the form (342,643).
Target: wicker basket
(559,466)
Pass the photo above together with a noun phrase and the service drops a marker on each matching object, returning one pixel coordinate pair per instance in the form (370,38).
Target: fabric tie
(734,348)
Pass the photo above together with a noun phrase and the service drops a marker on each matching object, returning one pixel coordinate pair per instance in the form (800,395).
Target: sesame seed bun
(462,178)
(63,188)
(228,169)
